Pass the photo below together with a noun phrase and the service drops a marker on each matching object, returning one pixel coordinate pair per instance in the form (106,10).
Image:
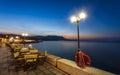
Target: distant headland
(61,38)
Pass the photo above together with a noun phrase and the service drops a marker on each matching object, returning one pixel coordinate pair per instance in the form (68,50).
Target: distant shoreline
(86,41)
(61,38)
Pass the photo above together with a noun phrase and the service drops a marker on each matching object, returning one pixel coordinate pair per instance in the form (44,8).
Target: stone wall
(71,68)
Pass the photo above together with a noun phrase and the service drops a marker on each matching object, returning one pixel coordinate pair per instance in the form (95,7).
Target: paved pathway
(7,66)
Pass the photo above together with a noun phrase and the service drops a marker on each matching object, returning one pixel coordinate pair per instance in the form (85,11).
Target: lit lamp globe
(76,19)
(82,15)
(73,19)
(24,34)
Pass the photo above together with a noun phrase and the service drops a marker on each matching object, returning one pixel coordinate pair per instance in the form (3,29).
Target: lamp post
(77,19)
(80,56)
(24,35)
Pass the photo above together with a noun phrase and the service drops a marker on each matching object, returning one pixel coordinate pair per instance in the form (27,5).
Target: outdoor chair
(18,61)
(31,61)
(24,50)
(33,51)
(42,57)
(17,49)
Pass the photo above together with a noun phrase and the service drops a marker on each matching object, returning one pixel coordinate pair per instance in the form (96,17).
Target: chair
(17,49)
(33,51)
(42,57)
(31,61)
(24,50)
(18,60)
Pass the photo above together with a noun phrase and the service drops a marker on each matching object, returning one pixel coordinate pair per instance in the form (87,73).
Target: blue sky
(52,17)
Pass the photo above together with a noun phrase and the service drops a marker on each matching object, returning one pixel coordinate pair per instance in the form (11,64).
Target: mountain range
(61,38)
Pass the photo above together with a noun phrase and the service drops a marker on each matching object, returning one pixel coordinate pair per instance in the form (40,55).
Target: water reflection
(103,55)
(67,45)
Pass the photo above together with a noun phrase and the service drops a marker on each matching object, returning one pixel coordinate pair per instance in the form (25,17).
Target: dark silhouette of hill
(49,38)
(61,38)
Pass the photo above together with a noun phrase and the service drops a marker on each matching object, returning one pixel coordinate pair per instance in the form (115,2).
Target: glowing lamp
(82,15)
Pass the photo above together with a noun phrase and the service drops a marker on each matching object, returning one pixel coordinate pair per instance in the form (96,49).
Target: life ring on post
(82,59)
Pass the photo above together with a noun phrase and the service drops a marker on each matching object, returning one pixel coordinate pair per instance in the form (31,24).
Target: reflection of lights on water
(68,45)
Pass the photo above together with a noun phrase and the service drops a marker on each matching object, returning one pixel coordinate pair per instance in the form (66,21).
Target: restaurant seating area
(26,57)
(14,63)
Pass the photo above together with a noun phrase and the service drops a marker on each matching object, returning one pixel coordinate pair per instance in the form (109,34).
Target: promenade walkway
(8,68)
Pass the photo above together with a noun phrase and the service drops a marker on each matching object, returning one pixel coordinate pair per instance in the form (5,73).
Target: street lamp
(77,19)
(24,35)
(80,56)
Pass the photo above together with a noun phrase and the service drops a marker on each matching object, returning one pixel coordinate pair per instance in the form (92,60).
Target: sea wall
(71,68)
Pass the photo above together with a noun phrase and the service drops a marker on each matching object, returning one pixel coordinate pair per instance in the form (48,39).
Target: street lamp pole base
(79,49)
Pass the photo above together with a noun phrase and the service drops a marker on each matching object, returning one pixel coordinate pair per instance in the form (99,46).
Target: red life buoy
(82,59)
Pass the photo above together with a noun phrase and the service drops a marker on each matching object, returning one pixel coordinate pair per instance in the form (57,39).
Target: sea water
(104,55)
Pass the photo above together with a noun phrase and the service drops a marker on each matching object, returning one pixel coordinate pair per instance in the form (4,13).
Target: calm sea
(104,55)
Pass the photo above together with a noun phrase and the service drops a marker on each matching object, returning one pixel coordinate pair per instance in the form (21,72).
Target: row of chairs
(25,57)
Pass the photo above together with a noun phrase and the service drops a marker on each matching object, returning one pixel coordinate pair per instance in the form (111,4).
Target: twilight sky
(52,17)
